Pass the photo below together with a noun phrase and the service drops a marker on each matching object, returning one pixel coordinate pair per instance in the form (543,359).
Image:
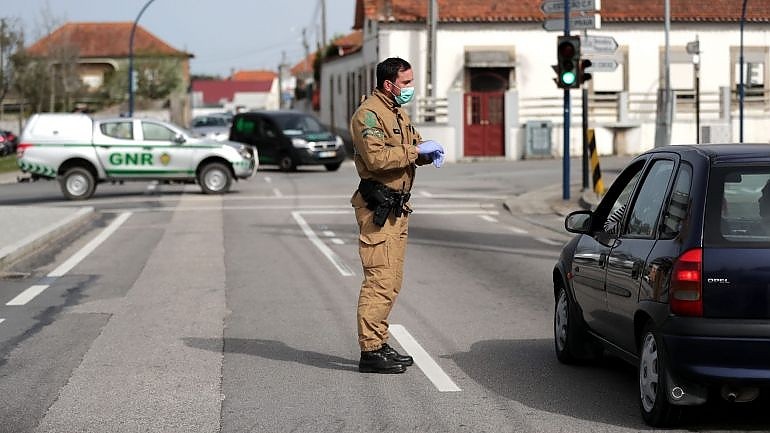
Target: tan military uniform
(385,151)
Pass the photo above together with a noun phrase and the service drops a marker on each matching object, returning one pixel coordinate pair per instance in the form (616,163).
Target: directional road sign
(599,64)
(550,7)
(575,23)
(598,44)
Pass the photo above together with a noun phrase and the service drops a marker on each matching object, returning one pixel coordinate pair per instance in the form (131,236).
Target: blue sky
(222,34)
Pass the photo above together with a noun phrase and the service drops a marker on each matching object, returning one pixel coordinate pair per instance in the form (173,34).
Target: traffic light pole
(565,159)
(585,137)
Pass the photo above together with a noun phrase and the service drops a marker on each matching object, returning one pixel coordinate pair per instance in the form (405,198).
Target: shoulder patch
(370,119)
(373,132)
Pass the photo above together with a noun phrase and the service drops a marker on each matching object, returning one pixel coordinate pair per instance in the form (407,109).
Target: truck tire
(77,183)
(215,178)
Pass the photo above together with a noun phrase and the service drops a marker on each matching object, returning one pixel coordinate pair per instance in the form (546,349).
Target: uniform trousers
(382,251)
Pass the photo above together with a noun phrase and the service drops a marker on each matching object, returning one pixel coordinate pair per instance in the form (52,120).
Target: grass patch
(8,164)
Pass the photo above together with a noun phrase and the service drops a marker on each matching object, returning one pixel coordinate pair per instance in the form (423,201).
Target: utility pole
(665,113)
(323,23)
(280,80)
(741,87)
(430,77)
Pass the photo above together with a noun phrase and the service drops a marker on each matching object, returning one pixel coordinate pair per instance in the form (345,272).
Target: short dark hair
(389,68)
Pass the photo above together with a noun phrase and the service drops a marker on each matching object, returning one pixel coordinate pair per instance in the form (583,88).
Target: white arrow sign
(602,65)
(557,6)
(575,23)
(598,44)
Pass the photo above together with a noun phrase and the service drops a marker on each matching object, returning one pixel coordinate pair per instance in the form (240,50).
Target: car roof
(723,153)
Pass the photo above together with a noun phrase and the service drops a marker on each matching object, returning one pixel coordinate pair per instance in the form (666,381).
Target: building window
(755,73)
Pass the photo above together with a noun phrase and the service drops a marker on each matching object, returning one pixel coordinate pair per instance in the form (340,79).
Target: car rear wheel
(286,163)
(571,341)
(656,410)
(215,178)
(77,183)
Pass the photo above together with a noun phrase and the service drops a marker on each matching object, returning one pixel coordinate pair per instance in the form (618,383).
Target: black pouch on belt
(379,198)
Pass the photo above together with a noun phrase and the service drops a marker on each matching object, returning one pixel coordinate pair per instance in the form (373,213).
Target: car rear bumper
(713,351)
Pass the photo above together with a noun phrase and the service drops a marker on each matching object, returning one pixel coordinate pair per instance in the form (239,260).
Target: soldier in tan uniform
(387,151)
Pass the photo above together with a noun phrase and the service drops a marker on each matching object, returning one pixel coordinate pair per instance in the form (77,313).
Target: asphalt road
(176,311)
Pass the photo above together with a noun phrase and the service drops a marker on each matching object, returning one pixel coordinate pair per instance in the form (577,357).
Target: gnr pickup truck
(81,151)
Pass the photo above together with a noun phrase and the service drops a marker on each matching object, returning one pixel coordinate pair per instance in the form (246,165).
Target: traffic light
(568,62)
(584,76)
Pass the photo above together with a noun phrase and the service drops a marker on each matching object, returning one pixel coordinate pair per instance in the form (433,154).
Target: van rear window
(738,207)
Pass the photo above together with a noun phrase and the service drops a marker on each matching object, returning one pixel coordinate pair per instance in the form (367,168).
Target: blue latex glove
(438,158)
(428,147)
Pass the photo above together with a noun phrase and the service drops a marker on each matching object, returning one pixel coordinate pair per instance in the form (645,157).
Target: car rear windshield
(738,207)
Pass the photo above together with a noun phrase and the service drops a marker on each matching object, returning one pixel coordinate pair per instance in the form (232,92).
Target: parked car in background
(212,126)
(8,143)
(671,272)
(288,139)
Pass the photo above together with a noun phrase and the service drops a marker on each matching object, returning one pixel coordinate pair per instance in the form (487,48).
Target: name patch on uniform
(373,132)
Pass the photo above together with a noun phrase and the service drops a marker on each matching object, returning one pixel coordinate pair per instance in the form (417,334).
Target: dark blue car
(671,272)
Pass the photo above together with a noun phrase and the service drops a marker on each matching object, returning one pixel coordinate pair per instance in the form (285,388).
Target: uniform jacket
(385,144)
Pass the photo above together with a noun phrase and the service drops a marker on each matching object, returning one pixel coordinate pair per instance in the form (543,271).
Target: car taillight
(21,148)
(2,139)
(686,295)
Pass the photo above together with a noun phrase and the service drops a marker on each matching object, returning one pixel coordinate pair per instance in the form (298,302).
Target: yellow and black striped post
(596,171)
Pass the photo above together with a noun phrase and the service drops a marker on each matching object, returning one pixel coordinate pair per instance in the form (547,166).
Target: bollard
(596,171)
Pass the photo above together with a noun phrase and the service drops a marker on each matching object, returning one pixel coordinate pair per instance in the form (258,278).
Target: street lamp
(131,61)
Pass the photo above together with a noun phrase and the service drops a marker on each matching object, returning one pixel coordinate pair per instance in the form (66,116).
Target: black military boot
(377,361)
(391,353)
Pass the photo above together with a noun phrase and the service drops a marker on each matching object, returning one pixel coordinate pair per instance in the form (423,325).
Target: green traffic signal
(568,78)
(567,62)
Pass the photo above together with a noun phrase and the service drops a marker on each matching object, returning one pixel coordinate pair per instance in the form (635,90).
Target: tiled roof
(215,91)
(304,66)
(253,75)
(104,40)
(529,11)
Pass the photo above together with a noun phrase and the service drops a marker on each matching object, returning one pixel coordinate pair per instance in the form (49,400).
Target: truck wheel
(286,163)
(215,178)
(77,184)
(333,166)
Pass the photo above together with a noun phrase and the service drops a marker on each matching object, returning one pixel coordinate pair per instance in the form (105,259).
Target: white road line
(325,250)
(328,233)
(27,295)
(268,179)
(488,218)
(2,320)
(338,241)
(70,263)
(277,192)
(426,194)
(517,230)
(422,359)
(548,241)
(90,247)
(319,209)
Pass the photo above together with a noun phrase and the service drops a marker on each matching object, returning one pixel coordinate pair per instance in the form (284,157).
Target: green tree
(157,78)
(11,42)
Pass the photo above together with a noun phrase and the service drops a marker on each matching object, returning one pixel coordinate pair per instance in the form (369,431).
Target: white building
(493,74)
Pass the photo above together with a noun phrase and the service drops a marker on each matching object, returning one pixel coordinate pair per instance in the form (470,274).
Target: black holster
(383,200)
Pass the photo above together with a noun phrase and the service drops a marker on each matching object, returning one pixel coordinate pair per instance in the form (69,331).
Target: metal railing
(432,110)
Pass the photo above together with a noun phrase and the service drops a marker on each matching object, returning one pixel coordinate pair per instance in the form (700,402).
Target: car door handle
(636,268)
(602,260)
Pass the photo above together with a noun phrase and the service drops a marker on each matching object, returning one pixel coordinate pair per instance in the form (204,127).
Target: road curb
(37,240)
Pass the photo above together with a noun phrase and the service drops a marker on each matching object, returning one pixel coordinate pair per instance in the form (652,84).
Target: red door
(484,124)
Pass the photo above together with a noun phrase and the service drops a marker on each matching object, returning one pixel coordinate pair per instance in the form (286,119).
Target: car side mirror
(179,139)
(579,222)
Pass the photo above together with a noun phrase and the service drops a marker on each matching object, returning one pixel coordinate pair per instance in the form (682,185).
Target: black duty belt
(383,200)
